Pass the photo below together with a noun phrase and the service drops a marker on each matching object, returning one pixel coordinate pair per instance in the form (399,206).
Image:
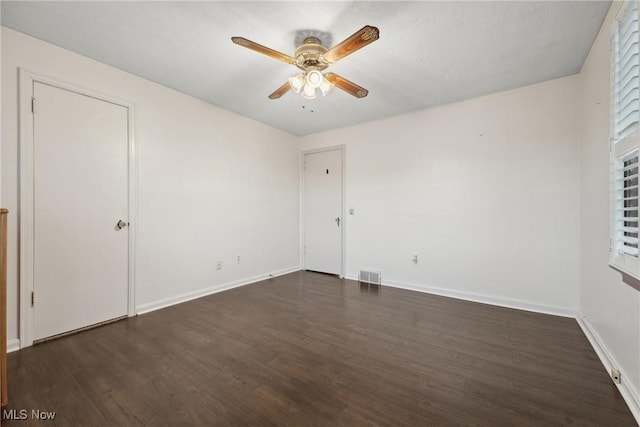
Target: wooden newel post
(3,305)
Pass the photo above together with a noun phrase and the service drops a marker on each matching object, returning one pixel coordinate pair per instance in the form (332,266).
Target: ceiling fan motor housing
(309,55)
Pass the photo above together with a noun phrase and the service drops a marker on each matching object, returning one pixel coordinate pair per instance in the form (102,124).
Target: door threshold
(75,331)
(325,273)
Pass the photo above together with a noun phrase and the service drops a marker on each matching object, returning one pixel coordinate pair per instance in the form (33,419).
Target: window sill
(630,279)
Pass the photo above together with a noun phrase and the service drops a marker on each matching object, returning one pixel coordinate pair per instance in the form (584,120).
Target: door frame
(343,232)
(26,80)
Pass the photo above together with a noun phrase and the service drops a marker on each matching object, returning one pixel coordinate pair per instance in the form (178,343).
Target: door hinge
(33,105)
(33,298)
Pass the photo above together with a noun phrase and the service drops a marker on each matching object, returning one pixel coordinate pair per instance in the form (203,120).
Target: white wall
(484,191)
(611,308)
(212,184)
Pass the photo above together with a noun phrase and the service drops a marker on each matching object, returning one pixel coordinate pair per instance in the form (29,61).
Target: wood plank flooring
(309,349)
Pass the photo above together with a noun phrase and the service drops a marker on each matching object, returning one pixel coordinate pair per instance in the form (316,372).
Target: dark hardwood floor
(310,349)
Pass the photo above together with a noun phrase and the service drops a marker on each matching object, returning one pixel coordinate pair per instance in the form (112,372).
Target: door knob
(338,221)
(121,224)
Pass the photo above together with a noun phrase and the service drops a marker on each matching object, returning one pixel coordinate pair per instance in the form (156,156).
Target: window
(625,139)
(626,211)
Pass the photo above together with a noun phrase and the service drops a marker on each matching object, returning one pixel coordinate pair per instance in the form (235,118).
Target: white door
(322,211)
(80,194)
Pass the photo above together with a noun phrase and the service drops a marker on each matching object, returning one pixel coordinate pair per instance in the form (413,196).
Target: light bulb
(296,82)
(314,78)
(308,92)
(325,86)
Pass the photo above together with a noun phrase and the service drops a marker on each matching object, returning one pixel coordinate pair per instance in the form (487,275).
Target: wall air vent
(373,277)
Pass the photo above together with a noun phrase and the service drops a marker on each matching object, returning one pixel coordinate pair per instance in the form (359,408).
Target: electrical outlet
(238,260)
(219,265)
(615,375)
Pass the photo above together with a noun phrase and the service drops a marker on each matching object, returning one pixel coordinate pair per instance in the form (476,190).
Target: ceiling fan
(312,57)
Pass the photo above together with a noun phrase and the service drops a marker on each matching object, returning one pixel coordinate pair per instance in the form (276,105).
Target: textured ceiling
(429,53)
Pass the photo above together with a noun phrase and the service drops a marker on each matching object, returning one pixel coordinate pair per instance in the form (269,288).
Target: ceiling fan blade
(241,41)
(346,85)
(358,40)
(280,91)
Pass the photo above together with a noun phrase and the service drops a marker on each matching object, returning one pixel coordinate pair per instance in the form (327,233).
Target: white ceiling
(429,53)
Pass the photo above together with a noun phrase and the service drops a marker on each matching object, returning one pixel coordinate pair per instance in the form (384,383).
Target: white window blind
(626,73)
(625,139)
(626,210)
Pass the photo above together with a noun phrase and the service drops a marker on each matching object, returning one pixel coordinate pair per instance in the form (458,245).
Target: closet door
(80,211)
(322,209)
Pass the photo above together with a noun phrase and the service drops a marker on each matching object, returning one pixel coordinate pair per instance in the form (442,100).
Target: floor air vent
(369,277)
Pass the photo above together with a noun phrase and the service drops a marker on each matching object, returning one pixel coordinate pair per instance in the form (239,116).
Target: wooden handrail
(3,305)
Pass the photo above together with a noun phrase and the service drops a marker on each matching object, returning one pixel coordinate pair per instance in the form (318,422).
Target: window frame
(620,147)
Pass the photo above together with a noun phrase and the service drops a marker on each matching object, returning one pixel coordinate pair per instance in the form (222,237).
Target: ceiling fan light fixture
(325,86)
(309,92)
(314,78)
(297,82)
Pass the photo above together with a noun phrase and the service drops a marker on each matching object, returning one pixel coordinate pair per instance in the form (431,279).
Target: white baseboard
(167,302)
(13,345)
(484,299)
(630,395)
